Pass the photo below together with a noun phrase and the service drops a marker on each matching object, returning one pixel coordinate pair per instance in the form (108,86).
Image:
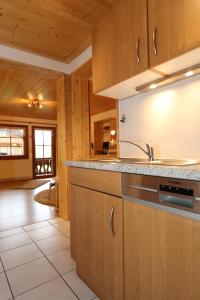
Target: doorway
(44,152)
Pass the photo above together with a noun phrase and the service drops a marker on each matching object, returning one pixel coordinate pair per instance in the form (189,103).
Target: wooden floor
(18,208)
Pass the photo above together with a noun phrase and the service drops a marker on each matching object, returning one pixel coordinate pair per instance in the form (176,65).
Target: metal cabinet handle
(155,41)
(138,50)
(112,221)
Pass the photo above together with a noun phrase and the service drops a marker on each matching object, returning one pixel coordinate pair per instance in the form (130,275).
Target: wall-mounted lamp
(123,119)
(194,70)
(112,132)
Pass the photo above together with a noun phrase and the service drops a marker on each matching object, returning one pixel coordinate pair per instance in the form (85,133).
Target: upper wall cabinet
(120,49)
(124,58)
(174,28)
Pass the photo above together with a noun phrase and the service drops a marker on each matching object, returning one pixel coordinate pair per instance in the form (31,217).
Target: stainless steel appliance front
(174,193)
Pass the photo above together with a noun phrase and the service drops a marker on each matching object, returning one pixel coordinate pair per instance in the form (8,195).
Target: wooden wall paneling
(62,147)
(80,117)
(22,68)
(69,126)
(85,70)
(72,130)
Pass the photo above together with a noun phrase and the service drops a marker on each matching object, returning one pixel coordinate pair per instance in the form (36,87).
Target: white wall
(168,119)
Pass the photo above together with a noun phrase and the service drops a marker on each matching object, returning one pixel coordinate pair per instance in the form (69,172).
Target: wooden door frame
(53,152)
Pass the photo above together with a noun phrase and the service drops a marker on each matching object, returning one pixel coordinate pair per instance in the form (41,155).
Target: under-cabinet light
(153,86)
(191,71)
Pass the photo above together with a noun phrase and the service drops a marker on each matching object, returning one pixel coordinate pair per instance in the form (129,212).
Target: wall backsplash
(167,118)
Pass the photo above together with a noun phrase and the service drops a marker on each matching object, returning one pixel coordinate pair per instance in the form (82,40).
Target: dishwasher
(177,196)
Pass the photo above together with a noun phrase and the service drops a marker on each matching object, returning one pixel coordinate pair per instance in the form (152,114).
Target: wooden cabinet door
(161,255)
(176,28)
(120,44)
(98,254)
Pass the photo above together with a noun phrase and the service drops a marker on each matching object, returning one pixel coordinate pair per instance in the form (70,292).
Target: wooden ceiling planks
(18,83)
(53,28)
(20,67)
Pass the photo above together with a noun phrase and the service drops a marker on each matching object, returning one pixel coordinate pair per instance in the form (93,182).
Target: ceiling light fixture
(35,103)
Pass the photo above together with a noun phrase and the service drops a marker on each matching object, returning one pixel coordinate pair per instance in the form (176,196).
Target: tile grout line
(16,247)
(17,226)
(24,264)
(37,286)
(57,270)
(6,270)
(44,256)
(21,226)
(59,273)
(60,232)
(66,234)
(13,233)
(13,297)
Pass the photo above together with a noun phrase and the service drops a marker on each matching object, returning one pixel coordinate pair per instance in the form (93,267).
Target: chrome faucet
(148,152)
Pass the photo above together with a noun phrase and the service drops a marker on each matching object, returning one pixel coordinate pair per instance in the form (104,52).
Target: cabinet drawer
(103,181)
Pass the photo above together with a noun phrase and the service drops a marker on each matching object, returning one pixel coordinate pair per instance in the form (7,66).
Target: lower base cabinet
(97,240)
(128,251)
(161,255)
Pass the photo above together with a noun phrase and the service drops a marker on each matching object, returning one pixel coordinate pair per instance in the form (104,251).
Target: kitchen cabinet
(131,43)
(97,233)
(161,255)
(173,28)
(120,48)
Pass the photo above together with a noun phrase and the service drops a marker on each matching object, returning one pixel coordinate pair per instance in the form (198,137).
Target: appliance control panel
(176,190)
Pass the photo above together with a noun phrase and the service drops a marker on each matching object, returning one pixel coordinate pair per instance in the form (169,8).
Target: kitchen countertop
(191,172)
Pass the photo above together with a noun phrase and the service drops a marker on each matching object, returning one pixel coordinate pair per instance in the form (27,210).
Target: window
(13,142)
(43,143)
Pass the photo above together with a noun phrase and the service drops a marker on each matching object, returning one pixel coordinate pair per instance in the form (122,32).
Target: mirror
(105,141)
(103,126)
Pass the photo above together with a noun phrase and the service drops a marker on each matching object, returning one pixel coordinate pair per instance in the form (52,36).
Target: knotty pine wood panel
(18,83)
(62,148)
(80,117)
(161,255)
(27,69)
(73,129)
(56,29)
(177,24)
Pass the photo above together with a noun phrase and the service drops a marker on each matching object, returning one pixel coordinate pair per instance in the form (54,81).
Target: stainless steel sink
(164,162)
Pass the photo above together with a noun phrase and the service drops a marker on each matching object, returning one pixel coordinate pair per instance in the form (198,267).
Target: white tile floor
(35,263)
